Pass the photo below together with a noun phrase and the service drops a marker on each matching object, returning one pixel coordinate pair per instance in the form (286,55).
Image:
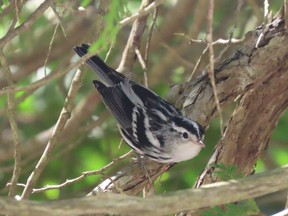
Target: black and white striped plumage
(149,125)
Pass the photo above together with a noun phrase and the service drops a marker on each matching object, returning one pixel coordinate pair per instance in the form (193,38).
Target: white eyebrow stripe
(177,128)
(196,128)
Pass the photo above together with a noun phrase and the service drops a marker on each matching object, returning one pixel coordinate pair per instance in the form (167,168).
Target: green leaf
(227,172)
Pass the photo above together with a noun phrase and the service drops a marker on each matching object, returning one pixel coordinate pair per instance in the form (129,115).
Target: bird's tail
(107,75)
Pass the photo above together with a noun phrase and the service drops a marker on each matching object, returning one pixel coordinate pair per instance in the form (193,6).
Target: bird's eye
(185,135)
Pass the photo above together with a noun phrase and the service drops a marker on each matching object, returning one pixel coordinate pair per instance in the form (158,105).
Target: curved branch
(26,25)
(57,131)
(133,42)
(190,199)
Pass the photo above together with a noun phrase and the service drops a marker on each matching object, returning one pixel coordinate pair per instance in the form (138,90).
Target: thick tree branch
(251,124)
(190,199)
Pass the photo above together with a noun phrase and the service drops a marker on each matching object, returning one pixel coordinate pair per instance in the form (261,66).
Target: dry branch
(134,39)
(144,10)
(26,25)
(85,108)
(58,130)
(190,199)
(14,126)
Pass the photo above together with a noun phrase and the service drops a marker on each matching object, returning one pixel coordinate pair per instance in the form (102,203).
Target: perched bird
(148,124)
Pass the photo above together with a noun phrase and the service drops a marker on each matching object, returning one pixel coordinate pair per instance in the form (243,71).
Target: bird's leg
(140,160)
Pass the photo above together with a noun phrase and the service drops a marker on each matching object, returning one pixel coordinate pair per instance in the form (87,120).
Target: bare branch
(189,199)
(134,39)
(142,12)
(47,78)
(143,65)
(13,125)
(84,175)
(62,120)
(51,43)
(211,60)
(145,74)
(26,25)
(198,63)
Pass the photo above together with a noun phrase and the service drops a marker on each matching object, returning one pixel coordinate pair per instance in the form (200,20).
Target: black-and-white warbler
(149,125)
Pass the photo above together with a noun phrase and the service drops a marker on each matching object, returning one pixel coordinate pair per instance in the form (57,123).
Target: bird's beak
(201,143)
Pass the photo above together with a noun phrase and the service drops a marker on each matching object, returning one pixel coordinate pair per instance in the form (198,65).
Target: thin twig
(150,34)
(145,75)
(48,78)
(143,65)
(142,12)
(191,40)
(198,63)
(26,25)
(73,141)
(17,9)
(13,125)
(219,41)
(110,49)
(134,39)
(30,91)
(231,33)
(84,175)
(211,59)
(266,10)
(177,56)
(61,122)
(50,46)
(59,18)
(219,57)
(34,146)
(59,24)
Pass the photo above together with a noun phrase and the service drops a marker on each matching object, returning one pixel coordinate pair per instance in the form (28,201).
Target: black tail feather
(108,75)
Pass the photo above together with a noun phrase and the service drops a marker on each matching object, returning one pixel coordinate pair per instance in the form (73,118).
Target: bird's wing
(153,101)
(117,102)
(108,75)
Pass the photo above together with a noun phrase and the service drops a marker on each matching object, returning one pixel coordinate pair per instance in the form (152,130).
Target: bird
(151,126)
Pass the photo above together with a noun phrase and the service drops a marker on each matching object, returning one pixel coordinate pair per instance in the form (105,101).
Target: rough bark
(189,199)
